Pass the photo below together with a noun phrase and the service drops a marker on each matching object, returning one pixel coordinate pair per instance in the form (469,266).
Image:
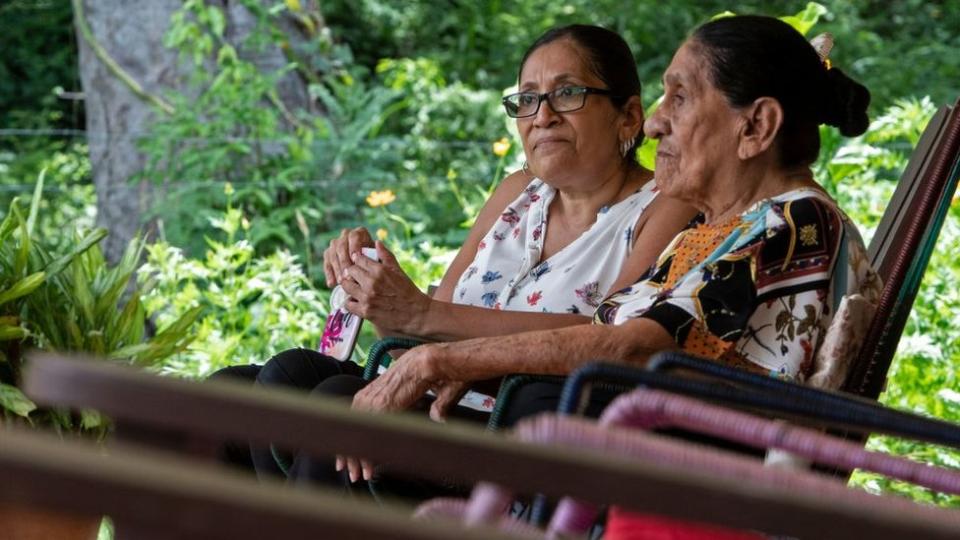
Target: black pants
(302,369)
(313,372)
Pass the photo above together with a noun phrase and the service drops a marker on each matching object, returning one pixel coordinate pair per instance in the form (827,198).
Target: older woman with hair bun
(754,281)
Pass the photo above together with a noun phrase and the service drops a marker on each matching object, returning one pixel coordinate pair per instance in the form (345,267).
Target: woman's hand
(382,293)
(336,258)
(399,388)
(448,393)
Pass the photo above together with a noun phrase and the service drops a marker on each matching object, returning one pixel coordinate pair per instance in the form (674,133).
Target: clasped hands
(398,389)
(382,293)
(379,291)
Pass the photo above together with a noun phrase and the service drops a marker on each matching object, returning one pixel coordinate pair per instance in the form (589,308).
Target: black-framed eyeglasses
(561,100)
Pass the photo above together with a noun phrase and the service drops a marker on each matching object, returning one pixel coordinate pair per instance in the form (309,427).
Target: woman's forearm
(555,351)
(446,321)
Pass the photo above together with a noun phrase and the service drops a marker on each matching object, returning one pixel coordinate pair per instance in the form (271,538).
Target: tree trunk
(130,32)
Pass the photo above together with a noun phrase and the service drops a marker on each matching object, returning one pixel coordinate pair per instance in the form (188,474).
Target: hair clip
(823,44)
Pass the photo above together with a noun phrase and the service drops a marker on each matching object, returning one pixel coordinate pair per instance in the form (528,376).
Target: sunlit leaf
(13,400)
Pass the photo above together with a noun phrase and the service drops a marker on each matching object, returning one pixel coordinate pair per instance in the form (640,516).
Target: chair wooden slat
(906,259)
(166,497)
(893,218)
(234,412)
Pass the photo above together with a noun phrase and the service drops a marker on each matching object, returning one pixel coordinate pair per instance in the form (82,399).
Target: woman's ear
(631,124)
(760,124)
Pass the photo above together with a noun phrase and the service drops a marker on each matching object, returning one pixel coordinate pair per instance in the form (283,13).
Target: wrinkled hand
(382,293)
(449,393)
(336,258)
(407,380)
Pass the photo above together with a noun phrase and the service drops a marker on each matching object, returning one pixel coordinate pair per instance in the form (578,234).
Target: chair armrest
(508,388)
(833,409)
(380,353)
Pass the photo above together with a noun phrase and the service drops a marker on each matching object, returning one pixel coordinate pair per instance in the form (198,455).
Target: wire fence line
(318,184)
(103,135)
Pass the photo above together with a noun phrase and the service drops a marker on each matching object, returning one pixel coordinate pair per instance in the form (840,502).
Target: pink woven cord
(488,502)
(657,409)
(441,508)
(658,450)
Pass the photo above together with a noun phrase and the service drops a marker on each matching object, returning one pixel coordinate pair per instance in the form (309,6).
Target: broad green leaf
(217,21)
(82,295)
(13,400)
(129,325)
(131,352)
(10,332)
(9,223)
(23,253)
(82,246)
(647,154)
(118,278)
(35,203)
(23,287)
(806,19)
(91,419)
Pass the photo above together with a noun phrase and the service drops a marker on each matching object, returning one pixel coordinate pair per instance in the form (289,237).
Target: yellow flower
(293,5)
(380,198)
(382,234)
(501,147)
(228,189)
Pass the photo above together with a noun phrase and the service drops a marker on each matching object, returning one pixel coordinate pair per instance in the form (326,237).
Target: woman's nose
(656,125)
(545,115)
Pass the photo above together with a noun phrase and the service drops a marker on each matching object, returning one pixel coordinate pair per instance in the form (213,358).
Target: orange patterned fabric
(695,246)
(697,243)
(767,290)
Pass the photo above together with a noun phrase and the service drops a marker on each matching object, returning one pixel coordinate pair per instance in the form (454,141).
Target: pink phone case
(342,327)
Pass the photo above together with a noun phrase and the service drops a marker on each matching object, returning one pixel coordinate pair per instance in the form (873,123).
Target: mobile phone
(342,327)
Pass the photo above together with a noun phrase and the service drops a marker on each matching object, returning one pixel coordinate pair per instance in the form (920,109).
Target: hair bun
(845,103)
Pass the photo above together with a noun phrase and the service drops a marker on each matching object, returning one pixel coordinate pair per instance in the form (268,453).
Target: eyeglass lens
(560,100)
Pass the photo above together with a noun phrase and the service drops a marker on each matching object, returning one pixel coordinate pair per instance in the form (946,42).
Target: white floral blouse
(507,272)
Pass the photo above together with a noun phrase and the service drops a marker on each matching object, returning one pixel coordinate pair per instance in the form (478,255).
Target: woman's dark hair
(752,56)
(609,58)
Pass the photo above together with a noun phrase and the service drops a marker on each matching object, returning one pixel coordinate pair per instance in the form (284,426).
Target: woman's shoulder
(802,231)
(507,192)
(808,204)
(809,215)
(517,183)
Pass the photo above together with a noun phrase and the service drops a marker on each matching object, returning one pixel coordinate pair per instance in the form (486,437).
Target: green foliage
(39,56)
(252,307)
(66,302)
(904,48)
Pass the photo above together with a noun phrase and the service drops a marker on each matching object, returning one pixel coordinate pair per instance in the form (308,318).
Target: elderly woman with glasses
(755,279)
(581,219)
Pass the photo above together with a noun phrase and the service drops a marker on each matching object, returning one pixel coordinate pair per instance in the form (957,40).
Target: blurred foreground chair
(153,496)
(765,500)
(648,409)
(862,340)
